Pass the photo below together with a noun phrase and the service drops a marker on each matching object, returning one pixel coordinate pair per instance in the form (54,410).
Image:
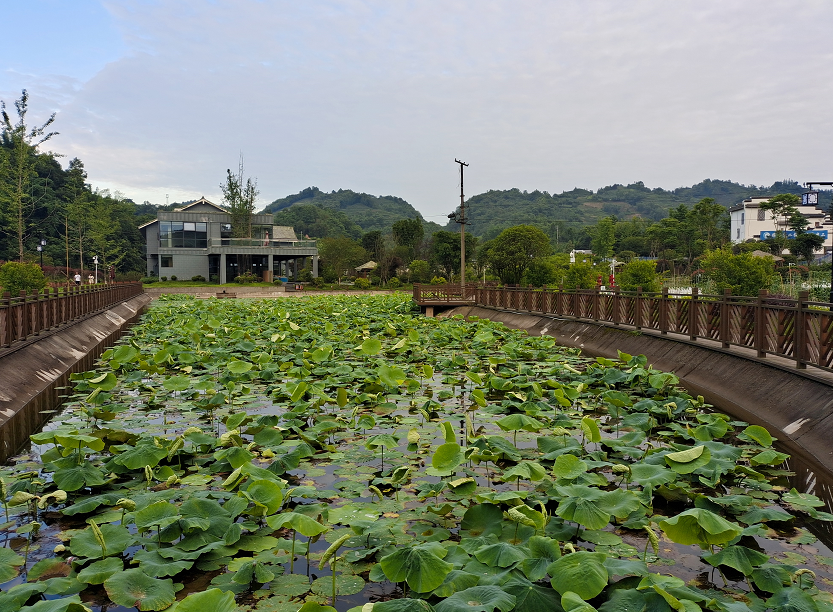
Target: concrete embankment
(796,406)
(33,372)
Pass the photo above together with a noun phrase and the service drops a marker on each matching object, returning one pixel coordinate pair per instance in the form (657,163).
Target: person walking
(77,279)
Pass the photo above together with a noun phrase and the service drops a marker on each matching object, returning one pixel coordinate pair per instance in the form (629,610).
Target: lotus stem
(292,554)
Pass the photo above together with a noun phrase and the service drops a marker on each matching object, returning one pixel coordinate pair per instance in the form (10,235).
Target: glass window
(761,214)
(742,218)
(177,232)
(166,261)
(165,233)
(180,234)
(189,227)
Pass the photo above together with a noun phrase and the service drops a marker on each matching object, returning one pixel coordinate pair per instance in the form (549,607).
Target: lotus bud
(172,480)
(148,474)
(267,453)
(191,430)
(620,469)
(568,547)
(126,504)
(652,538)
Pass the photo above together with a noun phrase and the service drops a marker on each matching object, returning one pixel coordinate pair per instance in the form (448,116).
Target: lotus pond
(346,453)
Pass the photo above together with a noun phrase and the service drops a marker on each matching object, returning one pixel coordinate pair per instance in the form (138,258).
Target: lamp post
(41,247)
(95,260)
(807,199)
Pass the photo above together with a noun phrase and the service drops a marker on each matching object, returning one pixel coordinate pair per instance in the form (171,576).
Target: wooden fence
(28,314)
(799,330)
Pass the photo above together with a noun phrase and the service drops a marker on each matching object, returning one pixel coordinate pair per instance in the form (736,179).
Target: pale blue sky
(159,97)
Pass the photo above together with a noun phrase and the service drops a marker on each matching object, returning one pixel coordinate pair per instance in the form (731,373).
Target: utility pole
(812,198)
(461,219)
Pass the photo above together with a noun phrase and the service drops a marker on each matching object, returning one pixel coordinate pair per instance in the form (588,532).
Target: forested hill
(491,212)
(325,214)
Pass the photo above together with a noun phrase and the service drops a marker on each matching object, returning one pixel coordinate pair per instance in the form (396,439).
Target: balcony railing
(261,243)
(796,329)
(29,314)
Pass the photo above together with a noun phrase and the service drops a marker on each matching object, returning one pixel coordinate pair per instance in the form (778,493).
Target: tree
(408,233)
(420,271)
(744,273)
(511,253)
(710,219)
(805,244)
(340,254)
(16,277)
(374,243)
(240,198)
(639,273)
(604,237)
(784,209)
(17,167)
(445,251)
(540,273)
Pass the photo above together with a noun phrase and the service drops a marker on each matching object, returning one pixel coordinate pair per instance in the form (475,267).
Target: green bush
(199,278)
(173,277)
(163,278)
(246,277)
(16,277)
(277,282)
(147,280)
(580,276)
(420,270)
(744,273)
(540,273)
(438,280)
(317,282)
(362,283)
(394,283)
(639,273)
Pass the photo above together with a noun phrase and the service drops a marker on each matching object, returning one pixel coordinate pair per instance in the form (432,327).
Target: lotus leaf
(542,552)
(421,566)
(134,588)
(176,383)
(456,580)
(531,597)
(571,602)
(158,515)
(699,526)
(403,605)
(500,554)
(478,599)
(686,461)
(582,572)
(346,584)
(99,571)
(9,561)
(371,346)
(298,522)
(446,459)
(85,543)
(144,453)
(756,433)
(214,600)
(482,519)
(75,477)
(568,467)
(741,558)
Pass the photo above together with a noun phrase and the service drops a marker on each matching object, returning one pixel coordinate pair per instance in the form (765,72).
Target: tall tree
(17,167)
(604,237)
(339,255)
(408,233)
(240,197)
(511,253)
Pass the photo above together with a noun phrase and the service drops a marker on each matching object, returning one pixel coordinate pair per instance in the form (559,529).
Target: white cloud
(382,96)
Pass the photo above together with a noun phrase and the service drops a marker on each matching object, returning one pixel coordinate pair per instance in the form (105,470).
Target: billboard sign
(811,198)
(791,234)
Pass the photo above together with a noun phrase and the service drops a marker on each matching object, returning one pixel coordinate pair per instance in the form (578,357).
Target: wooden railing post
(637,309)
(800,331)
(663,312)
(616,304)
(594,307)
(724,318)
(693,313)
(24,314)
(760,324)
(7,323)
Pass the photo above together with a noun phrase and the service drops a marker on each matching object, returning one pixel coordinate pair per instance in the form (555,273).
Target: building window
(761,214)
(179,234)
(742,217)
(738,237)
(166,261)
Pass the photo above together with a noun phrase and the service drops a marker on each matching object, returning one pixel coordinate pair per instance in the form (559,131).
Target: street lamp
(41,247)
(95,260)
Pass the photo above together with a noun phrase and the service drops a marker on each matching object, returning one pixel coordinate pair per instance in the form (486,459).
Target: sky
(159,97)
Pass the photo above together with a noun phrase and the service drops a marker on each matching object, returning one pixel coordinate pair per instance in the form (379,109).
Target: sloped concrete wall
(794,407)
(31,375)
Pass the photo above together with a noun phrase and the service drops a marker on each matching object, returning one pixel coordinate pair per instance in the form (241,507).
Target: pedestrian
(77,279)
(112,274)
(90,279)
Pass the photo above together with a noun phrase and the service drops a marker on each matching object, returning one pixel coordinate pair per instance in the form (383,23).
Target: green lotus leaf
(500,554)
(771,577)
(582,572)
(116,540)
(9,562)
(527,470)
(756,433)
(568,467)
(133,588)
(519,422)
(403,605)
(583,505)
(741,558)
(299,522)
(391,376)
(19,594)
(531,597)
(482,519)
(456,580)
(620,503)
(157,516)
(145,453)
(76,440)
(572,602)
(177,383)
(366,421)
(686,461)
(105,382)
(792,599)
(321,354)
(420,566)
(590,428)
(700,526)
(542,552)
(239,367)
(156,566)
(447,457)
(769,457)
(386,440)
(314,606)
(99,571)
(646,474)
(346,584)
(801,500)
(267,494)
(46,568)
(213,600)
(371,346)
(78,476)
(625,567)
(291,585)
(68,604)
(478,599)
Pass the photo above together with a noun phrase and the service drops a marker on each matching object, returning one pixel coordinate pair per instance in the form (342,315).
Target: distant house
(363,270)
(196,240)
(749,222)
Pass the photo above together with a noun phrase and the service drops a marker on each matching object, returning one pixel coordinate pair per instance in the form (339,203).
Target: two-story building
(197,240)
(749,222)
